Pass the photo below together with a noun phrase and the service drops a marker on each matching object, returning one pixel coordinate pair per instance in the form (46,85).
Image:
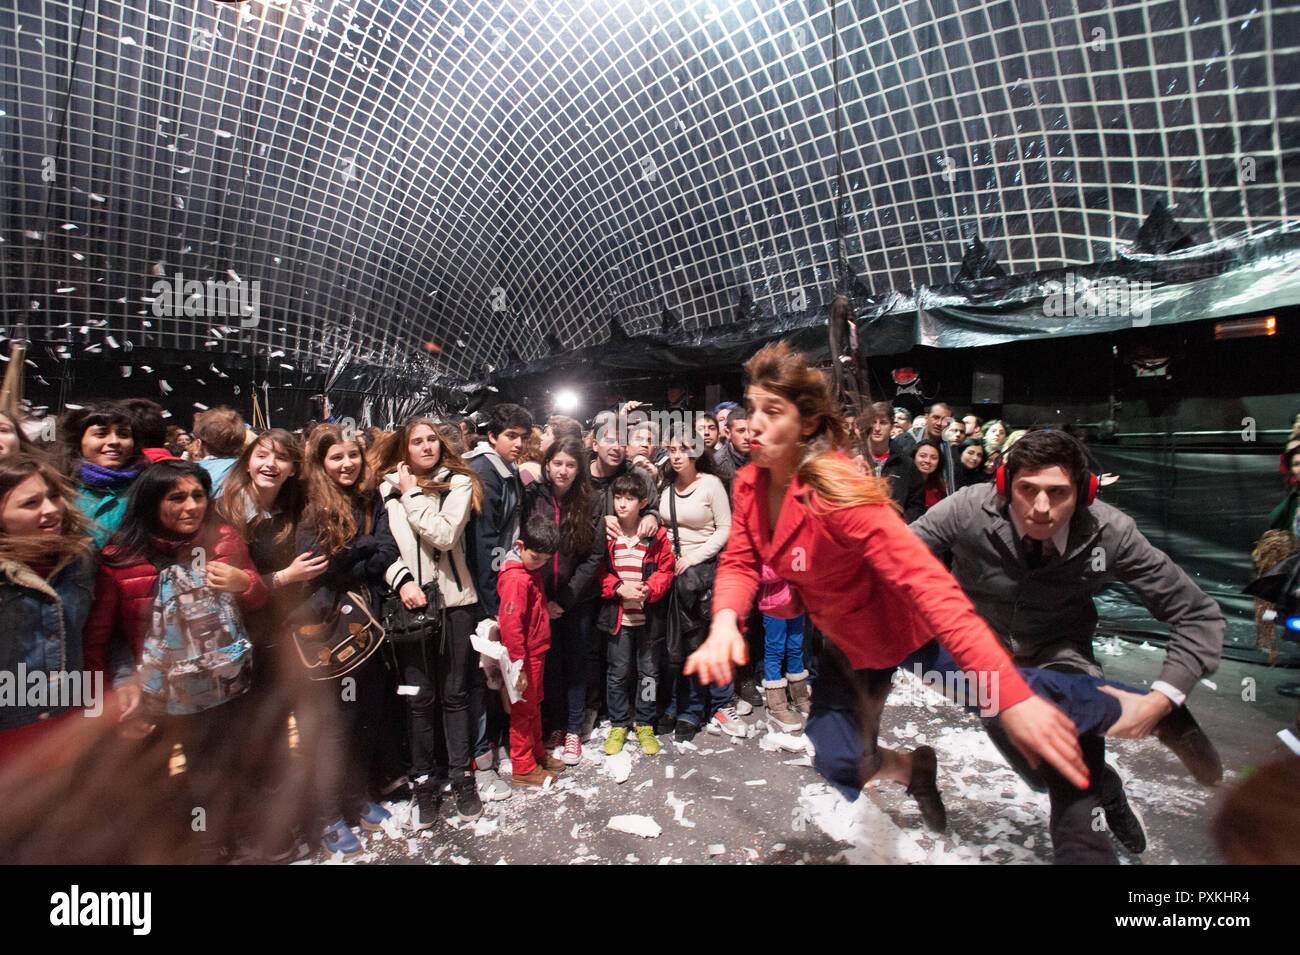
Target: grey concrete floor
(725,800)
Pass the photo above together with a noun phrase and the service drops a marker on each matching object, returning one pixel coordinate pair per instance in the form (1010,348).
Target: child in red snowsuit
(526,634)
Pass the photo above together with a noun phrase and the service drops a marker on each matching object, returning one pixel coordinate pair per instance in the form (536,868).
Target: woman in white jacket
(430,495)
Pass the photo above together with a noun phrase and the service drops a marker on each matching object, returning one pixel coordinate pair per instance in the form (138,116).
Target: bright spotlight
(566,401)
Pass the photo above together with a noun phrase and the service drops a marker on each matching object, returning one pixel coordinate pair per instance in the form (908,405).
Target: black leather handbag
(415,631)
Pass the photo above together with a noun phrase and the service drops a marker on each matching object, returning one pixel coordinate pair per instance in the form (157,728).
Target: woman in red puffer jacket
(169,520)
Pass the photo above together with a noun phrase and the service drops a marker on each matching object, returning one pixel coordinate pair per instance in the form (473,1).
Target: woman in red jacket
(869,583)
(169,519)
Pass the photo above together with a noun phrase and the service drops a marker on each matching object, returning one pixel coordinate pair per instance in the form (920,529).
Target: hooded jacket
(430,533)
(524,622)
(493,531)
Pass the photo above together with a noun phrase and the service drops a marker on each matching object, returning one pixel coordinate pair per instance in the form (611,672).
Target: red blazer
(867,581)
(124,598)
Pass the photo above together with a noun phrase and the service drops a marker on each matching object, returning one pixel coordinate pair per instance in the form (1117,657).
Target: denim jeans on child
(621,648)
(783,647)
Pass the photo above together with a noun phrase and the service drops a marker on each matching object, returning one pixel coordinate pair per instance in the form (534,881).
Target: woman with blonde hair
(430,494)
(868,583)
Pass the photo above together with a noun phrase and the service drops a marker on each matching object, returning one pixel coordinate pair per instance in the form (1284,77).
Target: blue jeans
(847,704)
(632,646)
(783,646)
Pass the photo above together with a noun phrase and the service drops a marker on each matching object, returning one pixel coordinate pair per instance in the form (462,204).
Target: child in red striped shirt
(637,576)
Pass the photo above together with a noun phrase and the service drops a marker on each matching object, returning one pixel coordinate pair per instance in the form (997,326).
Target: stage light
(566,401)
(1246,327)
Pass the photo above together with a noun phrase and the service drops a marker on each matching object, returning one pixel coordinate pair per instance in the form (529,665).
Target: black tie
(1033,552)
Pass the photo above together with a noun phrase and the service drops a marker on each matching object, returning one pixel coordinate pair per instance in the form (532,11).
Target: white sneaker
(491,787)
(727,720)
(741,707)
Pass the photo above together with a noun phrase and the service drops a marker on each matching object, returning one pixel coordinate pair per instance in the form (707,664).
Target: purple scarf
(96,476)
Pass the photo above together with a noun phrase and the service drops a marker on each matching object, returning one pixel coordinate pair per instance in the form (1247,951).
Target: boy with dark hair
(526,634)
(489,538)
(734,453)
(638,574)
(149,427)
(492,530)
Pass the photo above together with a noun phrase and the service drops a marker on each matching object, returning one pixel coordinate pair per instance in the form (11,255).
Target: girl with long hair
(344,520)
(262,499)
(570,580)
(101,457)
(697,514)
(430,493)
(928,458)
(12,439)
(867,582)
(47,575)
(170,519)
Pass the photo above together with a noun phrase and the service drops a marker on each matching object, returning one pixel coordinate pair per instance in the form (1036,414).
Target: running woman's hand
(716,660)
(1041,731)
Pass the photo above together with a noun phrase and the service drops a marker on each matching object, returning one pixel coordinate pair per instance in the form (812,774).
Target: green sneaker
(645,735)
(617,737)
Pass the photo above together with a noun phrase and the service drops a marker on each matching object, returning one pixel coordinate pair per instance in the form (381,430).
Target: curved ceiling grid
(505,180)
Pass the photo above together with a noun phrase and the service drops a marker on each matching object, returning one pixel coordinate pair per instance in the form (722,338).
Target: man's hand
(1041,731)
(412,596)
(612,530)
(1139,712)
(554,610)
(648,527)
(715,661)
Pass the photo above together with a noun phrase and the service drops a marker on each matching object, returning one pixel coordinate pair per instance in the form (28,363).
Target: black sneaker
(665,725)
(1184,736)
(468,804)
(685,731)
(1126,825)
(750,693)
(427,801)
(924,788)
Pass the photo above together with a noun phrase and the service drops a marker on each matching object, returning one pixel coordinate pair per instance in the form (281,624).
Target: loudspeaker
(986,388)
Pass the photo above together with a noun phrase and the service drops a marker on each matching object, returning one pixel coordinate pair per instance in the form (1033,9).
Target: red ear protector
(1088,481)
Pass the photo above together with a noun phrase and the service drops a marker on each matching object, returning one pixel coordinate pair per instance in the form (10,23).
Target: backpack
(197,654)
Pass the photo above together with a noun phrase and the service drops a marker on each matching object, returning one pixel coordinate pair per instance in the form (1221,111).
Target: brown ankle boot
(779,715)
(537,777)
(552,765)
(800,692)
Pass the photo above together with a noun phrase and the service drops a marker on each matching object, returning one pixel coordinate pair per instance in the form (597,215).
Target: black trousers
(441,668)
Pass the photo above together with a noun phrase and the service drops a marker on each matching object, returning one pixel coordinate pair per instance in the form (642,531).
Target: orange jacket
(866,581)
